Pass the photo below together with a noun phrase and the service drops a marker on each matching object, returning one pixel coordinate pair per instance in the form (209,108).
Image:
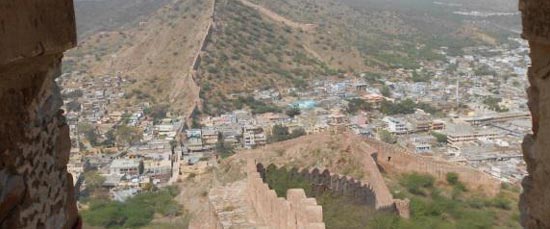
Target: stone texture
(30,28)
(535,199)
(36,190)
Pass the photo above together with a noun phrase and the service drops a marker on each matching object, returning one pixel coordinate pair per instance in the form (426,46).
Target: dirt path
(276,17)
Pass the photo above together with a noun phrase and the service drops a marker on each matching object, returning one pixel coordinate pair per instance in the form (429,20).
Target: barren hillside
(156,54)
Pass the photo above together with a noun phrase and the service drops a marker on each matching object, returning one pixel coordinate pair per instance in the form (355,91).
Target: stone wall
(535,199)
(396,159)
(296,211)
(325,181)
(36,191)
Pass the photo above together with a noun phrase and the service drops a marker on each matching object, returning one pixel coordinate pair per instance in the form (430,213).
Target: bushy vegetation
(403,107)
(251,52)
(397,60)
(128,135)
(416,183)
(223,149)
(157,111)
(282,133)
(433,207)
(90,133)
(256,106)
(356,105)
(280,180)
(493,104)
(135,212)
(406,106)
(387,137)
(293,111)
(441,138)
(338,211)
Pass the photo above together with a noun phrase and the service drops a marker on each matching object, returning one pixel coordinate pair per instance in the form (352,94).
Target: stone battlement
(296,211)
(325,181)
(396,159)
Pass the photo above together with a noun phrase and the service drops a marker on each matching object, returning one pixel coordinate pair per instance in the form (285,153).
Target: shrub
(441,138)
(135,212)
(452,178)
(415,183)
(501,202)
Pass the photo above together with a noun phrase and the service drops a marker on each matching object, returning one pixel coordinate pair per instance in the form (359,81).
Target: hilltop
(155,54)
(260,44)
(435,203)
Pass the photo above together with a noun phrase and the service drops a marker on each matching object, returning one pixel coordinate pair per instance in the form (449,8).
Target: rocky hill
(155,54)
(244,45)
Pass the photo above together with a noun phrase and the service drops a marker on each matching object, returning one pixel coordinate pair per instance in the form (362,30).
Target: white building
(396,126)
(124,166)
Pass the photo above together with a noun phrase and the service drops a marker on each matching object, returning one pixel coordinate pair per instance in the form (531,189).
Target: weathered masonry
(35,189)
(535,199)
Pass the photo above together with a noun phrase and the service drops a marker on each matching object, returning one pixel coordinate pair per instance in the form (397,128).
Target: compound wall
(396,159)
(296,211)
(325,181)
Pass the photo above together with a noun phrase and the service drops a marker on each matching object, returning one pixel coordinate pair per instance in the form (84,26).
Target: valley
(174,102)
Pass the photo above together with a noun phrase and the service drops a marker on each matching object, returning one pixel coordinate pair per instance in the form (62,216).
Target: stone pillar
(535,199)
(403,208)
(35,189)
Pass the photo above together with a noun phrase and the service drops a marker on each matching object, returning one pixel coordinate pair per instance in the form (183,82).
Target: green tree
(417,183)
(293,111)
(223,149)
(387,137)
(128,135)
(141,168)
(356,105)
(110,138)
(452,178)
(493,104)
(406,106)
(385,91)
(135,212)
(93,180)
(73,106)
(279,133)
(441,138)
(90,132)
(158,112)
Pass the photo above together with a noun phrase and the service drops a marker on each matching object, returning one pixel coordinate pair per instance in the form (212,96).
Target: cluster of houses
(482,139)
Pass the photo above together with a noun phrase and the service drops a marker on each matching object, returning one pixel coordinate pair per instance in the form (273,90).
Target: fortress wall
(396,159)
(203,43)
(296,211)
(322,182)
(36,191)
(362,193)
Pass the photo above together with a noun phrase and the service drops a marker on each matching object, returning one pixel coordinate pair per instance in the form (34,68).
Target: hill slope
(156,54)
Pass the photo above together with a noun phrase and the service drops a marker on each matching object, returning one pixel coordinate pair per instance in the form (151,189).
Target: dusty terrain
(156,54)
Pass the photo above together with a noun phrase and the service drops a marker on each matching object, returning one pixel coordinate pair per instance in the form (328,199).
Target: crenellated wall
(396,159)
(296,211)
(36,191)
(325,181)
(535,199)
